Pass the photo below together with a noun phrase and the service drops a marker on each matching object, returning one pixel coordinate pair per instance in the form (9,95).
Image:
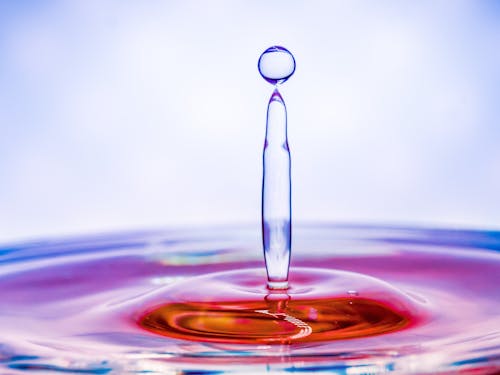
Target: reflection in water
(304,328)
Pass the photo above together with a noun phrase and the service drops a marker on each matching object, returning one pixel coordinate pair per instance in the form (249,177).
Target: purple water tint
(72,305)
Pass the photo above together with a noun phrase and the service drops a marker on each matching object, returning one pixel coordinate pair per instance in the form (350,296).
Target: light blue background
(132,114)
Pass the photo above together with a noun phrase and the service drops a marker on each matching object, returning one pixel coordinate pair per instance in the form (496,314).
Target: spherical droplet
(276,64)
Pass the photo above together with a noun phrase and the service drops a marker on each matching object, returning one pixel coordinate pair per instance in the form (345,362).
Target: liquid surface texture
(423,301)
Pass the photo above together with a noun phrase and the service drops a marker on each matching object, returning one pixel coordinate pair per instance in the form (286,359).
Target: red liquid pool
(320,306)
(244,322)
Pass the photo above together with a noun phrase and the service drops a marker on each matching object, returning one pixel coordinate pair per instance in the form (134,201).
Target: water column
(276,65)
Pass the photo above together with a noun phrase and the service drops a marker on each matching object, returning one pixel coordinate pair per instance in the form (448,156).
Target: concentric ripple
(362,300)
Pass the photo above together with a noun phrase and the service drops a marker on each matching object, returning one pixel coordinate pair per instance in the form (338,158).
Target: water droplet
(276,64)
(352,293)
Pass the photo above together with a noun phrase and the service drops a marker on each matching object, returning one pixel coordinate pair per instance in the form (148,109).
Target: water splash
(276,65)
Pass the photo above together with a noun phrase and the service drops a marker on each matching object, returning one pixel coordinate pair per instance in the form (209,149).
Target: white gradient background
(133,114)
